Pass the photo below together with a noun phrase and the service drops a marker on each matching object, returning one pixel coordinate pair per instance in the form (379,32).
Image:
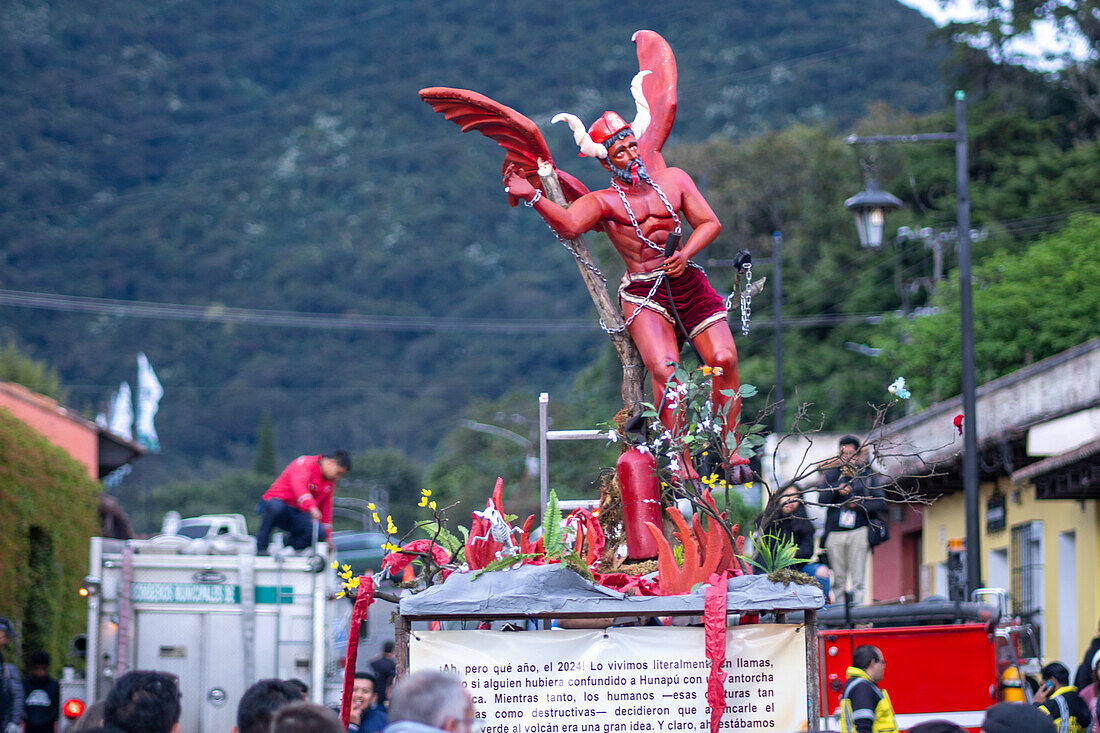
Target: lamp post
(869,208)
(530,460)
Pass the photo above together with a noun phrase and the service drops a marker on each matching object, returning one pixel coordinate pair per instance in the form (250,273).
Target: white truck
(202,606)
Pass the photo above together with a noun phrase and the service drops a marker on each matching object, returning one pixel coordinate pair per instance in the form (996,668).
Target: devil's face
(623,160)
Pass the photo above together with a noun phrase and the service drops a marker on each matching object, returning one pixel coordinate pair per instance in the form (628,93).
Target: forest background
(275,157)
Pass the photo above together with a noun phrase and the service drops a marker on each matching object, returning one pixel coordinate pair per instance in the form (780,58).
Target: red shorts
(696,302)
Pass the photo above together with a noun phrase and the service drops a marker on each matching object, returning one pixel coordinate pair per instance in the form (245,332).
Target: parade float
(657,611)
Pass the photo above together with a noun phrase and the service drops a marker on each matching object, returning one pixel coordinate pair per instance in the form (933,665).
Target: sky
(1031,50)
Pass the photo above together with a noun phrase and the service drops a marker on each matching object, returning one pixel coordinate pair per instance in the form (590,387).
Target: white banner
(120,415)
(622,680)
(149,392)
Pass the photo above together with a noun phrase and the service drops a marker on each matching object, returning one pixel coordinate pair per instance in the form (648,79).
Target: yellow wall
(945,519)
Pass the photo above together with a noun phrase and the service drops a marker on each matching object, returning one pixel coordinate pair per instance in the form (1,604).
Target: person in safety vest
(1059,699)
(864,707)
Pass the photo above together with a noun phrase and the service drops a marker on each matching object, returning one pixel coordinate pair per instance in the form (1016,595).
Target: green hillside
(275,156)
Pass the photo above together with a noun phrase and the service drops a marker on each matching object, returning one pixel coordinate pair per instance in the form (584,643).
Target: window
(1027,572)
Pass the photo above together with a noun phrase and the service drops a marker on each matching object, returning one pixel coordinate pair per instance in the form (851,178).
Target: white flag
(121,413)
(148,401)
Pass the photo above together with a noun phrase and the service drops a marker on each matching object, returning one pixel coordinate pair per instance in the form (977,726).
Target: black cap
(1016,717)
(7,625)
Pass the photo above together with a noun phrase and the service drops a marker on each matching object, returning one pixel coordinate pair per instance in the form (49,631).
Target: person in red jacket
(301,496)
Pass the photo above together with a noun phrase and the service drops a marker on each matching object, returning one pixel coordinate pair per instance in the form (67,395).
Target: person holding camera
(847,489)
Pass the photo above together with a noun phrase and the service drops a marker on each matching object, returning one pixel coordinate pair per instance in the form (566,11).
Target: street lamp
(870,208)
(530,460)
(966,312)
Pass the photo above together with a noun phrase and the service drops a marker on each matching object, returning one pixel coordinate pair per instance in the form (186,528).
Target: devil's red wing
(659,87)
(518,135)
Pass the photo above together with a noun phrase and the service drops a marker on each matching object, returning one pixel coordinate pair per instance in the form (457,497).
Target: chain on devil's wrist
(534,199)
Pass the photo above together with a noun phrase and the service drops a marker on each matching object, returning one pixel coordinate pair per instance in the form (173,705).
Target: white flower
(642,448)
(613,436)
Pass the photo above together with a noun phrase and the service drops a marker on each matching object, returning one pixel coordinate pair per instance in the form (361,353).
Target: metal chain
(638,229)
(577,256)
(644,303)
(645,240)
(746,299)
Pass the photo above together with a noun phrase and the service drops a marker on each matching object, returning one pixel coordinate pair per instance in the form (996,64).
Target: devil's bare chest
(645,208)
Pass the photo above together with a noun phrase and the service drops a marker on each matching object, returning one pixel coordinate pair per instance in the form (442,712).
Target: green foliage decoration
(553,542)
(48,512)
(775,554)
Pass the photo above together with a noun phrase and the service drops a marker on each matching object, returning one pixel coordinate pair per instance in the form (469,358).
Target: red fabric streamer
(398,560)
(714,623)
(363,598)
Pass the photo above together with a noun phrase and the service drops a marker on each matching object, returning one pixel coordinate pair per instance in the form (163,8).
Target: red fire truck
(944,660)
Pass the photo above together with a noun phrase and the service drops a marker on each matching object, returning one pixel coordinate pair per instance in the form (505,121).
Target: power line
(220,314)
(215,313)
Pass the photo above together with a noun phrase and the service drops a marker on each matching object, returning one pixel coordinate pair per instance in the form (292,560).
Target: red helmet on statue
(607,125)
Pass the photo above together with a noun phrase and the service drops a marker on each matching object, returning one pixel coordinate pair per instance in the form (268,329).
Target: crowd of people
(1056,707)
(149,702)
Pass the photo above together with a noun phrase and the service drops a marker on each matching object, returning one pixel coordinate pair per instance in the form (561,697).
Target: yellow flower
(423,501)
(426,492)
(335,564)
(390,527)
(346,568)
(370,506)
(354,582)
(709,480)
(431,505)
(376,519)
(341,594)
(748,485)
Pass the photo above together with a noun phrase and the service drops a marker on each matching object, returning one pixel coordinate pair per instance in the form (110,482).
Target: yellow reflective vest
(863,702)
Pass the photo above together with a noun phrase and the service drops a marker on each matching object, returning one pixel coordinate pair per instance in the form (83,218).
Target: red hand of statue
(517,185)
(676,264)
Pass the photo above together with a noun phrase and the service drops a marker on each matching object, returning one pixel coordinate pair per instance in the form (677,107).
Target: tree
(1076,22)
(15,366)
(1027,306)
(265,447)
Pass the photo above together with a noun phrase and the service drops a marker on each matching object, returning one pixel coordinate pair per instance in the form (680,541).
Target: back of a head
(864,655)
(387,647)
(90,720)
(936,726)
(1017,717)
(428,697)
(1056,671)
(260,702)
(143,702)
(305,717)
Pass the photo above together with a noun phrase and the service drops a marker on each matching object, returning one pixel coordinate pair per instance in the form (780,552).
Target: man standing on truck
(864,707)
(1059,699)
(301,496)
